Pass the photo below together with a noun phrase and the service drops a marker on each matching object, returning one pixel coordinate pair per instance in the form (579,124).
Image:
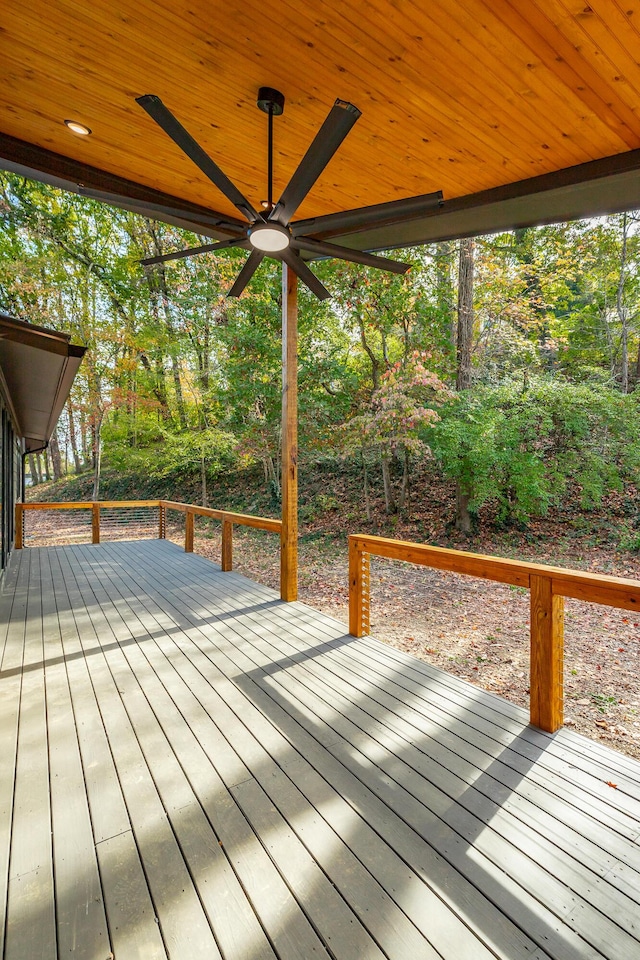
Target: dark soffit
(611,185)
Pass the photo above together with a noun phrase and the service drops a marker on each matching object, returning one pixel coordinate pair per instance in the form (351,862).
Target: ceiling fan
(272,231)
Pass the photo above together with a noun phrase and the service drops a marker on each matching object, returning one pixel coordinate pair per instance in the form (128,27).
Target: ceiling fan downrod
(271,102)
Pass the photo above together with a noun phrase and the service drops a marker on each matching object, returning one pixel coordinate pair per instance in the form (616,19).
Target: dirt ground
(475,629)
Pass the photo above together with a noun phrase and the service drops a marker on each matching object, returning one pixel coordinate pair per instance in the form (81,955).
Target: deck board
(201,770)
(30,894)
(81,921)
(13,626)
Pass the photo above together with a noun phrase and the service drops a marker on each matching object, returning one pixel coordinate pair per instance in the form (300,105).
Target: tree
(395,423)
(464,340)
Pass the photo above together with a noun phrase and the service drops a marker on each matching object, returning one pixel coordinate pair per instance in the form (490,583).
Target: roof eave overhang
(611,185)
(38,367)
(37,163)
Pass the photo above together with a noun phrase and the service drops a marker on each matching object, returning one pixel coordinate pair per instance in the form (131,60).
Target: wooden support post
(227,545)
(358,590)
(19,526)
(95,522)
(547,639)
(162,522)
(289,533)
(188,531)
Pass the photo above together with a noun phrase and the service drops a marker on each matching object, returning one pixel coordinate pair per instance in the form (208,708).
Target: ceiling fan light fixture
(269,237)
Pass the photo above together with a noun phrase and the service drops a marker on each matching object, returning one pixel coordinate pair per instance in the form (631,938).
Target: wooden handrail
(548,587)
(84,504)
(242,519)
(227,517)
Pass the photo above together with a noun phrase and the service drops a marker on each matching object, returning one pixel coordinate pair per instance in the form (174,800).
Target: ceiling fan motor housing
(271,101)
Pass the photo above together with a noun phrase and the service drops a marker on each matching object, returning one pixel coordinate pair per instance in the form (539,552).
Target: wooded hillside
(512,361)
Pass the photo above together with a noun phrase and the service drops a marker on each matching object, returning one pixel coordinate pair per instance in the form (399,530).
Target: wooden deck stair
(190,768)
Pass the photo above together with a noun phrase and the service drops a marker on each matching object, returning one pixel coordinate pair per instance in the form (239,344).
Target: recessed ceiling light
(78,128)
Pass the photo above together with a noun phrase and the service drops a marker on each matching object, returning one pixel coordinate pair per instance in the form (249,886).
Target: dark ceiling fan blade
(299,267)
(193,251)
(250,267)
(174,129)
(395,211)
(324,249)
(337,125)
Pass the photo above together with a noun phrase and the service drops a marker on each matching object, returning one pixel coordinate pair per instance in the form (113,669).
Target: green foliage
(524,450)
(212,447)
(176,374)
(400,410)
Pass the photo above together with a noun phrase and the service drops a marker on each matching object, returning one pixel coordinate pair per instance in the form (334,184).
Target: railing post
(358,590)
(162,522)
(188,531)
(227,545)
(547,642)
(289,471)
(95,522)
(19,526)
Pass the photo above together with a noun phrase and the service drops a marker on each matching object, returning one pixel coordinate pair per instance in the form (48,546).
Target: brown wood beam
(546,700)
(289,532)
(95,522)
(227,545)
(19,526)
(188,531)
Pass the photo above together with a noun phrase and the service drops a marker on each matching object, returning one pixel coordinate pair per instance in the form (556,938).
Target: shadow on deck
(190,768)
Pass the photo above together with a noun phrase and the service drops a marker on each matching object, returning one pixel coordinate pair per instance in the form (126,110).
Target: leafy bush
(524,450)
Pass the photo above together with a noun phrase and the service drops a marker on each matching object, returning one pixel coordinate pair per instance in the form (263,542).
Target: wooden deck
(190,768)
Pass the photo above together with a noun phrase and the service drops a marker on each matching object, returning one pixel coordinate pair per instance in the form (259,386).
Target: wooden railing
(226,517)
(548,587)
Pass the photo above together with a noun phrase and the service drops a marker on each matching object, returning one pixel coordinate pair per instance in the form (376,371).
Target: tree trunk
(34,469)
(464,520)
(73,438)
(367,501)
(403,499)
(84,437)
(96,471)
(271,475)
(445,252)
(177,383)
(465,314)
(624,359)
(45,462)
(97,457)
(56,460)
(203,481)
(623,313)
(389,497)
(158,388)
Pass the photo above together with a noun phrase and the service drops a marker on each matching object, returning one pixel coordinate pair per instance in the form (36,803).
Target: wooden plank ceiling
(462,96)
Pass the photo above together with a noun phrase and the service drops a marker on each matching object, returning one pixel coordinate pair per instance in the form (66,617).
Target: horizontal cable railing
(548,586)
(132,519)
